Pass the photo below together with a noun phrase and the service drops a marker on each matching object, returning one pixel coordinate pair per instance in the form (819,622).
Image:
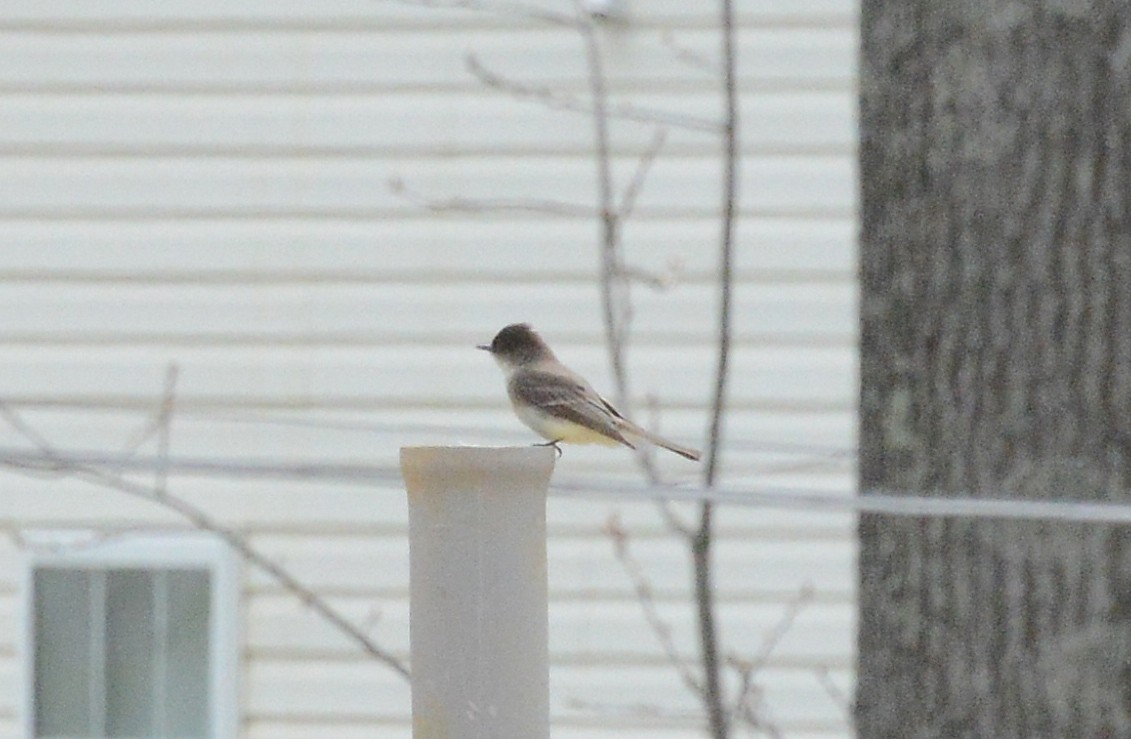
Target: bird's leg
(554,444)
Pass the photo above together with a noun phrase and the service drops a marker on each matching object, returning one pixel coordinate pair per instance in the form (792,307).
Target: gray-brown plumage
(558,403)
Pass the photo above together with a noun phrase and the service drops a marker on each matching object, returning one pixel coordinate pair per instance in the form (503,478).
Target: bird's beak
(484,347)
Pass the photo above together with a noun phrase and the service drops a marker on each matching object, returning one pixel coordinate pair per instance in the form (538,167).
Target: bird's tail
(656,439)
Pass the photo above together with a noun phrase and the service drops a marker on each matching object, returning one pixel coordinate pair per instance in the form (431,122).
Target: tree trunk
(995,361)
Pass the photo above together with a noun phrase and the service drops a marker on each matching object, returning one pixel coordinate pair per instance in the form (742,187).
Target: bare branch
(497,7)
(836,694)
(701,545)
(72,544)
(687,56)
(488,205)
(726,267)
(617,315)
(772,639)
(616,304)
(643,167)
(645,597)
(713,698)
(559,100)
(614,291)
(165,428)
(199,519)
(23,428)
(656,280)
(551,98)
(746,703)
(621,709)
(750,710)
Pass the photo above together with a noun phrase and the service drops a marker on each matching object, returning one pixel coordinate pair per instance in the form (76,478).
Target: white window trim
(167,549)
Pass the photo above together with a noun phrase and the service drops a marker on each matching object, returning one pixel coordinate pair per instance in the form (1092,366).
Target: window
(130,636)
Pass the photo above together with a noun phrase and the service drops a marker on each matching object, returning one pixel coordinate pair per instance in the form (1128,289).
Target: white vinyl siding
(207,184)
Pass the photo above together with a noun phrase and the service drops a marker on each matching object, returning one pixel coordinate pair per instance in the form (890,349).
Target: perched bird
(558,403)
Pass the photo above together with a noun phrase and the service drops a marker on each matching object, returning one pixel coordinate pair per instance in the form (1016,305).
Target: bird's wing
(568,398)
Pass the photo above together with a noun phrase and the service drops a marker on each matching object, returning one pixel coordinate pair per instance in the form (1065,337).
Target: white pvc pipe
(477,566)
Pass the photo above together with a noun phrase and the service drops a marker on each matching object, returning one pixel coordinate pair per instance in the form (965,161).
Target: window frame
(91,549)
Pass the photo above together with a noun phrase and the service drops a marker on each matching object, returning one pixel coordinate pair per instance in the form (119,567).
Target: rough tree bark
(996,360)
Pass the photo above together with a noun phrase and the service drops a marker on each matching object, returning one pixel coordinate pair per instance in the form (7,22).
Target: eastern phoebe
(558,403)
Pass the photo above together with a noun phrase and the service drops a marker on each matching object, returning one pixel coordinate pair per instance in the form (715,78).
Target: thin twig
(556,99)
(54,546)
(687,56)
(788,618)
(157,424)
(201,520)
(748,669)
(643,167)
(165,429)
(612,278)
(493,205)
(645,597)
(616,302)
(615,305)
(656,280)
(497,7)
(836,694)
(750,712)
(622,709)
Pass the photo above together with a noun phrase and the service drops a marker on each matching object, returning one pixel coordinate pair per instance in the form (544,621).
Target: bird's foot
(552,444)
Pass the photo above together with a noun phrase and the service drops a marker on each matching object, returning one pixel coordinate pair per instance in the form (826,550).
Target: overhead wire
(891,503)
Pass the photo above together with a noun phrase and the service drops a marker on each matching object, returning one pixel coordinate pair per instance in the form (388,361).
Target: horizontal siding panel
(597,634)
(812,472)
(66,13)
(10,684)
(330,690)
(76,504)
(578,695)
(752,437)
(280,627)
(691,732)
(293,729)
(345,728)
(808,450)
(583,633)
(278,623)
(180,185)
(793,698)
(383,375)
(388,60)
(10,600)
(349,314)
(346,564)
(290,728)
(413,249)
(426,124)
(11,562)
(741,567)
(310,507)
(355,564)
